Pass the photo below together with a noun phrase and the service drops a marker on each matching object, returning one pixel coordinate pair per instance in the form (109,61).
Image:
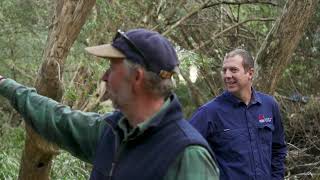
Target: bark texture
(68,18)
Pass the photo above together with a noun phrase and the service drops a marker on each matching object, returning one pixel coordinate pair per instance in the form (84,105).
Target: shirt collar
(255,98)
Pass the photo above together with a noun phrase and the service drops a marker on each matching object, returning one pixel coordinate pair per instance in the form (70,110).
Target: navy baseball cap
(147,48)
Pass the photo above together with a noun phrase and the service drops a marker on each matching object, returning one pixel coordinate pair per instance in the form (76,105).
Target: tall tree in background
(276,52)
(68,18)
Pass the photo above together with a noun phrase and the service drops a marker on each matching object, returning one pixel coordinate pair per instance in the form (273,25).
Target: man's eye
(234,70)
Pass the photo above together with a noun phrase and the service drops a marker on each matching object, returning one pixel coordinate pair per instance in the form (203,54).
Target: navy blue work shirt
(248,140)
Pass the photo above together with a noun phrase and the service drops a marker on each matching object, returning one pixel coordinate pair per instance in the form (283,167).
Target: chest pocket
(265,131)
(228,142)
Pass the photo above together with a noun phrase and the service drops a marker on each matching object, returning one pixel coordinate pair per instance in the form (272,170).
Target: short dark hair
(247,62)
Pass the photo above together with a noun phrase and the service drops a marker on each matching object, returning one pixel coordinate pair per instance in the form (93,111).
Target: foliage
(303,74)
(67,167)
(11,145)
(302,133)
(25,27)
(22,38)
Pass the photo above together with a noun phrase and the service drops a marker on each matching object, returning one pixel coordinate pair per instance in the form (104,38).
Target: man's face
(235,78)
(118,85)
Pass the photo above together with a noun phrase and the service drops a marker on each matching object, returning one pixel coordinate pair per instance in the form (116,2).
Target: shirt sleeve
(194,163)
(201,122)
(279,148)
(75,131)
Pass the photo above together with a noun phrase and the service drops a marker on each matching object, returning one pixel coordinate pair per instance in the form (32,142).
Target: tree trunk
(276,51)
(195,93)
(69,16)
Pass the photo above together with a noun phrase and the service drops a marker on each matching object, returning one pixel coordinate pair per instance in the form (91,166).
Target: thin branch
(207,5)
(195,11)
(23,72)
(230,28)
(267,2)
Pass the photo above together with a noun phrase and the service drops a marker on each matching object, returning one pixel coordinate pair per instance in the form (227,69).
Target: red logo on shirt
(263,119)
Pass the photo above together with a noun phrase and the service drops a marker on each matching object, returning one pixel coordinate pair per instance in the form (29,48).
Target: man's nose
(105,76)
(227,74)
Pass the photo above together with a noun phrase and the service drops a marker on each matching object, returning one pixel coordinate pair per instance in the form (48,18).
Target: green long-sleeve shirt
(79,132)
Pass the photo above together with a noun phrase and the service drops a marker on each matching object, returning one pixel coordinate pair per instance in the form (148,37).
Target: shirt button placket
(253,142)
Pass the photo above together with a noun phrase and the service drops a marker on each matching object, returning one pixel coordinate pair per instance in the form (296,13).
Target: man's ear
(251,73)
(138,79)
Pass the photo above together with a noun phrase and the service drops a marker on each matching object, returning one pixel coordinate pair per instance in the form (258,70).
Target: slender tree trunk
(69,16)
(276,52)
(195,93)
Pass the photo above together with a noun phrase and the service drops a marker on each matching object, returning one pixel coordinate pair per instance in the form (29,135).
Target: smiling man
(243,126)
(146,137)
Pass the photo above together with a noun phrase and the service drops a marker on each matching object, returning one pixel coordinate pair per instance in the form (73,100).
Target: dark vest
(149,155)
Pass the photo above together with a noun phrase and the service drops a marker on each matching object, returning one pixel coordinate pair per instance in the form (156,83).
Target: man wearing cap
(146,137)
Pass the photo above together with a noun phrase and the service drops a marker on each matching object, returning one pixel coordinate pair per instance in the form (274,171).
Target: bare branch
(193,12)
(207,5)
(230,28)
(267,2)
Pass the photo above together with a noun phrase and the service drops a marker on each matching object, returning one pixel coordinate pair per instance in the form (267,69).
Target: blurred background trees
(202,32)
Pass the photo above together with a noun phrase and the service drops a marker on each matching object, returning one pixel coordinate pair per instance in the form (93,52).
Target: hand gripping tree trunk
(276,52)
(68,18)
